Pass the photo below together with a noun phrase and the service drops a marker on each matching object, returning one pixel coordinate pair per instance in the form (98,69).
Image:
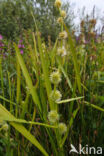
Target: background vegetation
(16,16)
(51,80)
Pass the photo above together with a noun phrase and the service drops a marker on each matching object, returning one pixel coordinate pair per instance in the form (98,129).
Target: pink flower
(1,37)
(1,45)
(19,46)
(21,51)
(23,46)
(20,41)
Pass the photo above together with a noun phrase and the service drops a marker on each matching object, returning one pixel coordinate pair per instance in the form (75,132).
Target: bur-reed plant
(44,92)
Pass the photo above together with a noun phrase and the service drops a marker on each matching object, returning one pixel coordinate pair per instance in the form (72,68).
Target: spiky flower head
(61,51)
(58,3)
(53,116)
(5,127)
(60,20)
(55,95)
(27,88)
(55,77)
(1,122)
(62,128)
(63,35)
(63,13)
(43,47)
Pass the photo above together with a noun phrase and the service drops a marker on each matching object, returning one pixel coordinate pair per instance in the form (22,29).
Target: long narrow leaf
(65,75)
(94,106)
(19,127)
(69,126)
(69,100)
(76,66)
(27,77)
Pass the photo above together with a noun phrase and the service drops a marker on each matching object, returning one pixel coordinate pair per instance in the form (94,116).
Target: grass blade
(19,127)
(76,66)
(94,106)
(69,100)
(27,77)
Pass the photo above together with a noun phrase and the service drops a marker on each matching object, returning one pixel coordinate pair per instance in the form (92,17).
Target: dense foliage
(51,94)
(16,16)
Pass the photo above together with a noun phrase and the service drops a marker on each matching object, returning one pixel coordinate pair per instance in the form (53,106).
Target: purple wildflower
(20,41)
(1,37)
(21,46)
(0,49)
(86,41)
(21,51)
(1,44)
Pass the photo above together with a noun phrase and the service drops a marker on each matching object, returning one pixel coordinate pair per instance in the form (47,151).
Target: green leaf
(100,81)
(94,106)
(69,100)
(6,115)
(45,68)
(18,87)
(3,98)
(53,53)
(27,77)
(74,56)
(69,126)
(65,75)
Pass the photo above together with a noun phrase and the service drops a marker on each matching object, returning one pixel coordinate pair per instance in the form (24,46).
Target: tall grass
(45,95)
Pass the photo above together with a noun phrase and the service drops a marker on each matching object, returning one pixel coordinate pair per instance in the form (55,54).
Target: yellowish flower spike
(60,20)
(56,96)
(5,127)
(63,35)
(63,13)
(43,47)
(58,3)
(55,77)
(62,128)
(53,116)
(61,51)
